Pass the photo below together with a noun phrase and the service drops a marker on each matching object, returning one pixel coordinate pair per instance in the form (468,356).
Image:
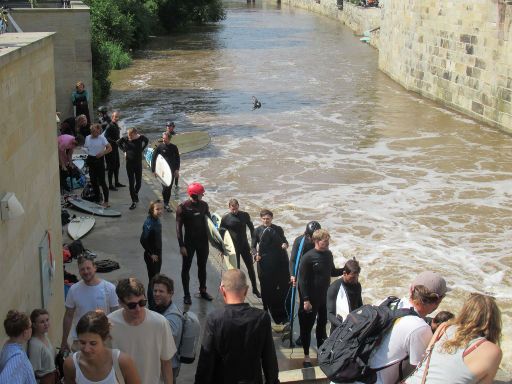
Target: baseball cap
(170,124)
(434,282)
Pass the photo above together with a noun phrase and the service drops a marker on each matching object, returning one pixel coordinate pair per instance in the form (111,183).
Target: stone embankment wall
(356,18)
(456,52)
(72,42)
(29,168)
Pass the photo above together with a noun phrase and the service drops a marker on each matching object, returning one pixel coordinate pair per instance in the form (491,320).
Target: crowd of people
(133,334)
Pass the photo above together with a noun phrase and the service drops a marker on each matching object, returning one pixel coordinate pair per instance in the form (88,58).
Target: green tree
(176,14)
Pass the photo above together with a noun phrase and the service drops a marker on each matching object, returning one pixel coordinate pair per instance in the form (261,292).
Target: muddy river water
(402,183)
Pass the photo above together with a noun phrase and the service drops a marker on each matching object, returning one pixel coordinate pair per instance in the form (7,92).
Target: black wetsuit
(82,105)
(316,269)
(273,270)
(237,347)
(190,215)
(354,300)
(308,245)
(104,121)
(171,154)
(133,150)
(113,134)
(151,241)
(237,225)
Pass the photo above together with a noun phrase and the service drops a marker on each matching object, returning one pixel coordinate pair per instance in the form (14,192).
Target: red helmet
(195,189)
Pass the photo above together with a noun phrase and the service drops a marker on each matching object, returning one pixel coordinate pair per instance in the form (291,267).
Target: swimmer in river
(256,103)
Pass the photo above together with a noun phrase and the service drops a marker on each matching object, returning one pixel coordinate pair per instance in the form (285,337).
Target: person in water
(316,269)
(269,247)
(236,222)
(190,216)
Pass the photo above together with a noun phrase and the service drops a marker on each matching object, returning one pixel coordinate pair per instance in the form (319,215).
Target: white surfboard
(163,171)
(214,235)
(79,163)
(230,252)
(80,226)
(216,219)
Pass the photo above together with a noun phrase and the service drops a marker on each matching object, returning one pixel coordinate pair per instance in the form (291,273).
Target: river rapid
(403,184)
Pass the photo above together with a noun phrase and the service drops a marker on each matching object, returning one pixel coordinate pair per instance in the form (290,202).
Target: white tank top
(111,377)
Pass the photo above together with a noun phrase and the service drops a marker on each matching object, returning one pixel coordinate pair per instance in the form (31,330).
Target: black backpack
(89,195)
(344,356)
(105,266)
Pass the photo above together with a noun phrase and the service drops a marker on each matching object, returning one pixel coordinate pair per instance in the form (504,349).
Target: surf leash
(294,289)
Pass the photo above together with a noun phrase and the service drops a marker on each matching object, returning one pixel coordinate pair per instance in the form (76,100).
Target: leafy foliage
(117,26)
(176,14)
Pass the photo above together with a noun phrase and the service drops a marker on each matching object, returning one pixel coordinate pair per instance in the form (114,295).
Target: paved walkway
(118,239)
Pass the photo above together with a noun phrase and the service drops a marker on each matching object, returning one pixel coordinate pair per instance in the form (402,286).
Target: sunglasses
(133,305)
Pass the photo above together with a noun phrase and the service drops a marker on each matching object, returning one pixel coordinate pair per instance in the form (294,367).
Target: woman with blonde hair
(95,363)
(464,350)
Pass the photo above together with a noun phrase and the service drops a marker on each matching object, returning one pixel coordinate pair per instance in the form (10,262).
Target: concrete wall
(29,168)
(358,19)
(72,46)
(456,52)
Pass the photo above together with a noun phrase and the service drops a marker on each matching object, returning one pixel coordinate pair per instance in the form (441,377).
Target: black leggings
(245,252)
(97,176)
(274,292)
(202,256)
(153,268)
(134,171)
(166,191)
(306,322)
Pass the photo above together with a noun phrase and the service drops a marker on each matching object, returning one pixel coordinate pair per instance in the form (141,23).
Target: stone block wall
(29,168)
(358,19)
(456,52)
(72,46)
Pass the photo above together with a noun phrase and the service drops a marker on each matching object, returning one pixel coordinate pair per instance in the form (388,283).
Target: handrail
(13,23)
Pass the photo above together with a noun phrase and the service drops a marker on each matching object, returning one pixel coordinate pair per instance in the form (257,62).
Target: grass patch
(119,58)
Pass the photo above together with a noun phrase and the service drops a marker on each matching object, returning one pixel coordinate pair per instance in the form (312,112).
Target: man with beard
(89,294)
(237,222)
(316,269)
(190,215)
(269,247)
(113,134)
(344,295)
(163,291)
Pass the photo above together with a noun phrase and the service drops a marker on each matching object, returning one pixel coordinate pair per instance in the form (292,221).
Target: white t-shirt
(147,343)
(41,356)
(95,145)
(409,336)
(84,298)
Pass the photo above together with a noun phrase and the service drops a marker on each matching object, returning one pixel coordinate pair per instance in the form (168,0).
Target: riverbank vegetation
(119,26)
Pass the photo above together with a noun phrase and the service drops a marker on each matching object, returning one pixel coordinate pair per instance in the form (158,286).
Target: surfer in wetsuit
(269,247)
(255,103)
(104,118)
(171,154)
(113,134)
(237,222)
(295,257)
(133,146)
(316,269)
(97,147)
(190,215)
(344,295)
